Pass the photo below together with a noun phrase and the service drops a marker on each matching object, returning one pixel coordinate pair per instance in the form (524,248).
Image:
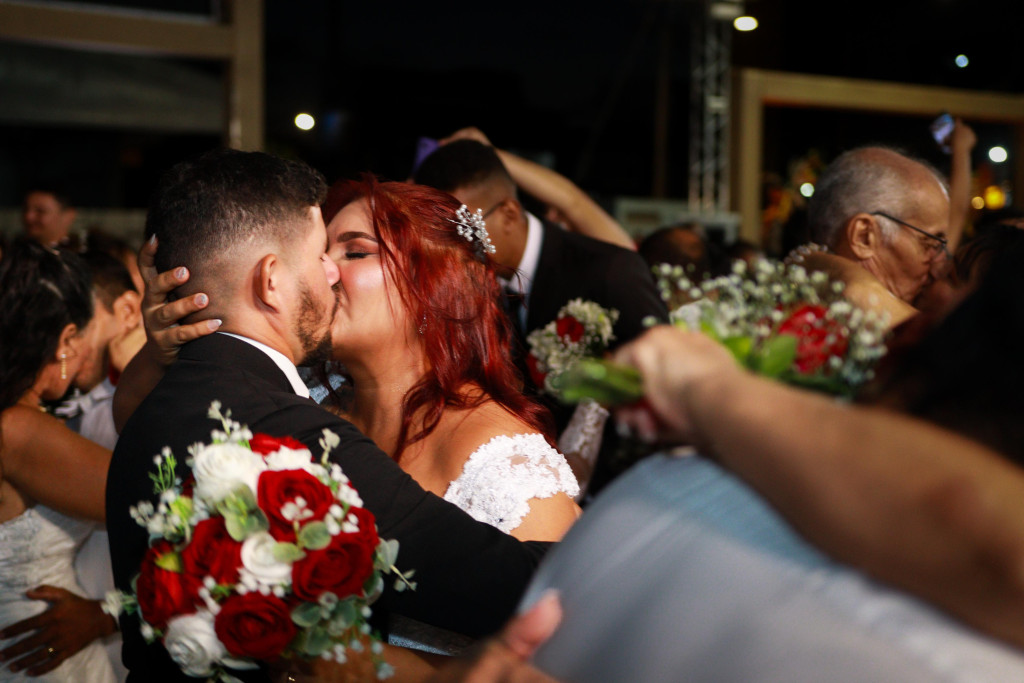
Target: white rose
(193,645)
(258,559)
(221,468)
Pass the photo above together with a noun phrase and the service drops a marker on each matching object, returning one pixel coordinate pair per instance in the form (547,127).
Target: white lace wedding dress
(495,486)
(38,547)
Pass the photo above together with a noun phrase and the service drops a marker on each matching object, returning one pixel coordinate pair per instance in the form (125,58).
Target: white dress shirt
(526,271)
(281,361)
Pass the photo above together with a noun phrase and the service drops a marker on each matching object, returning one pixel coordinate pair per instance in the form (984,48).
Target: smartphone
(942,128)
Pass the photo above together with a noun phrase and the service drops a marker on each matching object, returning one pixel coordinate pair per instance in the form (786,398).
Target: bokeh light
(978,203)
(962,61)
(807,189)
(998,154)
(745,23)
(995,197)
(304,121)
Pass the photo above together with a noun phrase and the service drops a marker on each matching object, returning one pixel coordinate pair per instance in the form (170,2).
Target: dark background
(567,82)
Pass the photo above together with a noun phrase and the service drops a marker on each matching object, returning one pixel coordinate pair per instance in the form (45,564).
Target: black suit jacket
(574,266)
(470,575)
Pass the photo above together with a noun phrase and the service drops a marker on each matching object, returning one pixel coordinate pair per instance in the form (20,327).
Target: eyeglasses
(936,244)
(489,211)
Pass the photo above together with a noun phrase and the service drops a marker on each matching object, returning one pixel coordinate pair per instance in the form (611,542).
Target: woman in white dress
(420,331)
(51,479)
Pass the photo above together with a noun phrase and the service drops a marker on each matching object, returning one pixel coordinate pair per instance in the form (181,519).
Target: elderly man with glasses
(887,213)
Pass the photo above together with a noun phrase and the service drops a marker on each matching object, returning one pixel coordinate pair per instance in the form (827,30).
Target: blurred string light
(998,154)
(745,23)
(978,203)
(807,189)
(304,121)
(995,197)
(962,61)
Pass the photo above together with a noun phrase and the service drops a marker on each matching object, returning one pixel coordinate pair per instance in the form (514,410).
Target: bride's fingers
(35,649)
(159,284)
(162,317)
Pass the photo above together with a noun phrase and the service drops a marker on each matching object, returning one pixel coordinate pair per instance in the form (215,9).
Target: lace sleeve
(502,476)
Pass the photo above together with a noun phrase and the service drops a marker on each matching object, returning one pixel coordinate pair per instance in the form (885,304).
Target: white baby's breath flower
(286,458)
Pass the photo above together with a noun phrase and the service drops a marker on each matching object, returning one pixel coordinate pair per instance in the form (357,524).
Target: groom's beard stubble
(314,328)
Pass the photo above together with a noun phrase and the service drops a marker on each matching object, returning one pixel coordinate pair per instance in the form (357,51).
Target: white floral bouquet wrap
(583,329)
(262,554)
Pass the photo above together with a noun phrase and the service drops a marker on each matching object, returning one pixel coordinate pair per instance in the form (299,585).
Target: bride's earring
(63,365)
(423,325)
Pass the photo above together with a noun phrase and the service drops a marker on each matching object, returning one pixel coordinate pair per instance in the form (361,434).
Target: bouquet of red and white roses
(583,329)
(261,554)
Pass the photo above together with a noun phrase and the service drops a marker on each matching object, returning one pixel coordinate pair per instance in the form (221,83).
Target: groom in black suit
(248,227)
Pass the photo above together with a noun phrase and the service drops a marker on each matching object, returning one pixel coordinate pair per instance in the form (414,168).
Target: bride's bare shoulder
(463,432)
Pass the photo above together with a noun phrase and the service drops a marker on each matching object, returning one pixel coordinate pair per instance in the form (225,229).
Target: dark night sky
(569,82)
(576,80)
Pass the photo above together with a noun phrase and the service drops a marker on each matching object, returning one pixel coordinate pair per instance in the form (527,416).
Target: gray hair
(860,180)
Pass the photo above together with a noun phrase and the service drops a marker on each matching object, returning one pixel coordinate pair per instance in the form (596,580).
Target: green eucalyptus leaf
(345,613)
(241,525)
(287,553)
(306,615)
(389,552)
(318,642)
(739,347)
(776,355)
(314,536)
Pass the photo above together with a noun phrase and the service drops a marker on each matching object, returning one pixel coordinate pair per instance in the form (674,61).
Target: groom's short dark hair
(204,207)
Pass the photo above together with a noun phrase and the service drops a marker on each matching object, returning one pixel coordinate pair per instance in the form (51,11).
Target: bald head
(871,179)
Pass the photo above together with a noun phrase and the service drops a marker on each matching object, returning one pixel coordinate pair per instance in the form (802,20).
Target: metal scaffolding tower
(709,106)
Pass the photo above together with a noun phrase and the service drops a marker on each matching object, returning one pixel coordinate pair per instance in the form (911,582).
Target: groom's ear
(268,281)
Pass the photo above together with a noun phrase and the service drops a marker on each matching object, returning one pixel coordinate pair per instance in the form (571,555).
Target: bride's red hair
(450,289)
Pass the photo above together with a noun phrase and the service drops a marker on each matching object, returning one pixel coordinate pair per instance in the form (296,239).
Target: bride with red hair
(421,334)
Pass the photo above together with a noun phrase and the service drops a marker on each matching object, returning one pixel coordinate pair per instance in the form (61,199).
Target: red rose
(265,444)
(279,487)
(533,365)
(341,568)
(212,552)
(367,526)
(570,327)
(255,625)
(163,593)
(812,330)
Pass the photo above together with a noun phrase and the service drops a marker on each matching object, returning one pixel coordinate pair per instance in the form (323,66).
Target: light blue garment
(679,572)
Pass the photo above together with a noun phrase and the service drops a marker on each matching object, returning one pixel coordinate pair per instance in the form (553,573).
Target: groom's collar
(280,360)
